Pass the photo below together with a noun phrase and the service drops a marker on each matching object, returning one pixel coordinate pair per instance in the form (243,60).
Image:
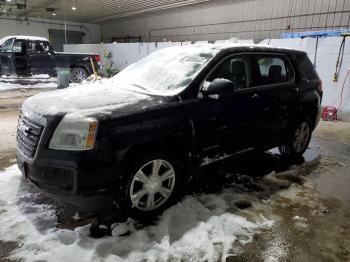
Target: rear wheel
(78,74)
(299,141)
(152,184)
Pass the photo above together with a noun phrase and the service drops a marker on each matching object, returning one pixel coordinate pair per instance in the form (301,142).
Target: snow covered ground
(36,81)
(200,228)
(287,218)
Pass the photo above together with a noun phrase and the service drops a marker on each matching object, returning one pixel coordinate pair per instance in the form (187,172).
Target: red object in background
(97,58)
(329,113)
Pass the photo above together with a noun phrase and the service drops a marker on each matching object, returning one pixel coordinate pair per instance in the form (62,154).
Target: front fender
(173,134)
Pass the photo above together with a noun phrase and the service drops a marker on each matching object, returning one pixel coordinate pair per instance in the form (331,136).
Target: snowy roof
(228,45)
(34,38)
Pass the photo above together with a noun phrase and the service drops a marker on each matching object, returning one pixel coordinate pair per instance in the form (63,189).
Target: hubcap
(78,75)
(301,137)
(152,185)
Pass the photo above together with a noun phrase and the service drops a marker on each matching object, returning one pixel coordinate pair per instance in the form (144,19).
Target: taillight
(319,85)
(97,58)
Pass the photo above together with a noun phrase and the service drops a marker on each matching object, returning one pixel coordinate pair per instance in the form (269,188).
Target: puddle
(310,154)
(312,219)
(332,178)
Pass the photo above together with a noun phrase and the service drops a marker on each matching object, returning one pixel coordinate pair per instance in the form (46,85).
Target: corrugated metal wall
(257,19)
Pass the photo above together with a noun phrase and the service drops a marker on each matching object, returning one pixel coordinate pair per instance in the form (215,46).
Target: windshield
(166,72)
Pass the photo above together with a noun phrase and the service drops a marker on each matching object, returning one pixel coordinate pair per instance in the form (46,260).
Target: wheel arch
(170,145)
(310,104)
(79,66)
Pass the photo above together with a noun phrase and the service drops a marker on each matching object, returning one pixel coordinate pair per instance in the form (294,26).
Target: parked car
(28,55)
(134,139)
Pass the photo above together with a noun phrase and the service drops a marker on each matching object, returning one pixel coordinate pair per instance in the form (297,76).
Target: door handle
(295,89)
(275,100)
(255,96)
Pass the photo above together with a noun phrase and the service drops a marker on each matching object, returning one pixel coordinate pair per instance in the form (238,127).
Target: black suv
(136,138)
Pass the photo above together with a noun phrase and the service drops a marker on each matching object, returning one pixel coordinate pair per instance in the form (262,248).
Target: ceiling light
(8,0)
(54,14)
(74,8)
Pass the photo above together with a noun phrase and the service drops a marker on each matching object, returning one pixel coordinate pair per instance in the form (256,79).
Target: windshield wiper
(142,88)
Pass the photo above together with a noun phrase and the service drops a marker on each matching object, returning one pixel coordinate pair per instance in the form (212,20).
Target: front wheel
(152,185)
(299,140)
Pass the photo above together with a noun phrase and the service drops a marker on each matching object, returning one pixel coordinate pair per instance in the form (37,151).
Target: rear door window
(38,47)
(268,69)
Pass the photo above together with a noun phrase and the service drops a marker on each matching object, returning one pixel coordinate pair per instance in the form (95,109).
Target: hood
(91,99)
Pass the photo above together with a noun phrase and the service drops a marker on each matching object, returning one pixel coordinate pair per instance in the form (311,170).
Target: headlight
(75,133)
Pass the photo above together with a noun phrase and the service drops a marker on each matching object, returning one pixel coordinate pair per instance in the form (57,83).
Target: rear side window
(306,66)
(270,69)
(38,47)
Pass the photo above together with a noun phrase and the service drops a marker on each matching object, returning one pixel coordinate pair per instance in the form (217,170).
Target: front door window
(235,69)
(7,46)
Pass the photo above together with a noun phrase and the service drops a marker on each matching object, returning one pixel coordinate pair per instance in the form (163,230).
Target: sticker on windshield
(194,60)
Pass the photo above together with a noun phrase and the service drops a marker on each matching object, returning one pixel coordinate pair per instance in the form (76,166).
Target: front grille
(28,136)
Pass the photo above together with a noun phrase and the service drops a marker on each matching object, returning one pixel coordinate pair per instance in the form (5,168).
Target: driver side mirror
(47,49)
(219,88)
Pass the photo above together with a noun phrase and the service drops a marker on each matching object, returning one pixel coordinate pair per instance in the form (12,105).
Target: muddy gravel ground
(308,198)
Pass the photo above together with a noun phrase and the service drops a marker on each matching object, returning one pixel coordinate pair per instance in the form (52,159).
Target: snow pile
(32,77)
(300,222)
(35,81)
(197,229)
(11,86)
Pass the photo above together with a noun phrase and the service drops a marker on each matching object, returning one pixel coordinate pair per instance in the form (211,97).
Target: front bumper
(88,188)
(85,180)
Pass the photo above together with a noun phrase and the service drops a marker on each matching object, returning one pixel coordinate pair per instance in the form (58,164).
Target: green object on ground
(63,75)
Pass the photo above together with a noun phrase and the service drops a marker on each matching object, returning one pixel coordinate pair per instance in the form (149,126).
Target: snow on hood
(197,229)
(89,98)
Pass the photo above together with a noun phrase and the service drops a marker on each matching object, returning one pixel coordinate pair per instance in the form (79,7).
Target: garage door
(57,38)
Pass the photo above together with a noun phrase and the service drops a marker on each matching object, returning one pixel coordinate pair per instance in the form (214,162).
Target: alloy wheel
(152,185)
(301,137)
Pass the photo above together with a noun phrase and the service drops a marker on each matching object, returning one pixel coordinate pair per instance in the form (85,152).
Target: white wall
(123,54)
(40,27)
(326,58)
(222,19)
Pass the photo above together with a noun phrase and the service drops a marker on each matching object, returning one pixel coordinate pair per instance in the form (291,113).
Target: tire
(139,188)
(299,141)
(77,75)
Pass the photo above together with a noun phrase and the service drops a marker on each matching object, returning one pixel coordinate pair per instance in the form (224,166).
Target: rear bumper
(319,114)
